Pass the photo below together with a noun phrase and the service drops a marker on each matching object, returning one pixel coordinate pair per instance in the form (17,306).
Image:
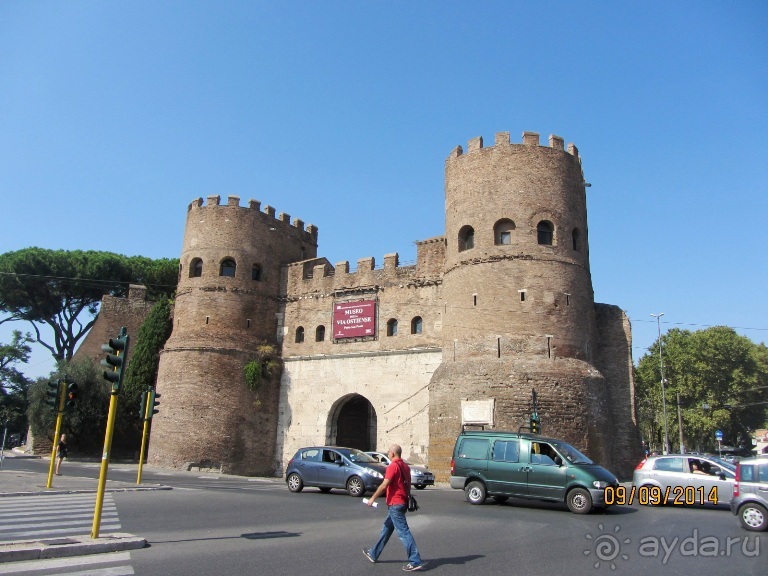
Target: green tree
(85,423)
(13,384)
(62,289)
(721,380)
(141,373)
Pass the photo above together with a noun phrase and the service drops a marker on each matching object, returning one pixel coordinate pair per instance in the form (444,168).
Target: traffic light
(535,423)
(53,395)
(143,405)
(153,401)
(116,350)
(71,393)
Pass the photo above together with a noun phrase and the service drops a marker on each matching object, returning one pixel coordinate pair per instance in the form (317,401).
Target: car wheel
(295,483)
(475,492)
(325,489)
(420,486)
(579,501)
(753,517)
(355,486)
(500,499)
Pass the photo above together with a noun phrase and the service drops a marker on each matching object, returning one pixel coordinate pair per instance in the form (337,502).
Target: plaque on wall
(477,411)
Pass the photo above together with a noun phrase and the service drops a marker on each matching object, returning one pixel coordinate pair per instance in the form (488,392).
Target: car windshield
(571,454)
(358,456)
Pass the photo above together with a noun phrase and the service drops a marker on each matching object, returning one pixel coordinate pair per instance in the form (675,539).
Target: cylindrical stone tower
(226,306)
(519,308)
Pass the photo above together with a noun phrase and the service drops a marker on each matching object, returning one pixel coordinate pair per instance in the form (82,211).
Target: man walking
(397,483)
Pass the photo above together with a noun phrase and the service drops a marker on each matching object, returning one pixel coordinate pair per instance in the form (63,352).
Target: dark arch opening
(352,423)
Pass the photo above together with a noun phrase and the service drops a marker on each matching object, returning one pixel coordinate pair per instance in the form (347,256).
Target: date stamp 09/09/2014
(655,495)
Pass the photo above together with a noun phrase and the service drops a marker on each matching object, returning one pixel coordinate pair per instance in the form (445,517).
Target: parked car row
(504,465)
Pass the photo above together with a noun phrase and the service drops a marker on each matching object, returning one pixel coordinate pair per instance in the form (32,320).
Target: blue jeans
(396,521)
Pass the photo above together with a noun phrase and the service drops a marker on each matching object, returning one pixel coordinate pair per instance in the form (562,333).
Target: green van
(520,465)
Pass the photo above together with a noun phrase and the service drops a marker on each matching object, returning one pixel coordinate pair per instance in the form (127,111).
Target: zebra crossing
(109,564)
(54,515)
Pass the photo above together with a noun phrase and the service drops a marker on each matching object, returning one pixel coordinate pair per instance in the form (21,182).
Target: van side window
(474,448)
(748,473)
(504,451)
(763,473)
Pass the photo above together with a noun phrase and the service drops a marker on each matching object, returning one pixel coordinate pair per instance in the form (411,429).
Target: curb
(51,492)
(65,547)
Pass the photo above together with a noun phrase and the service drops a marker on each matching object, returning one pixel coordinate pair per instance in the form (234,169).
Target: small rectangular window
(474,448)
(522,295)
(669,464)
(474,299)
(504,451)
(505,238)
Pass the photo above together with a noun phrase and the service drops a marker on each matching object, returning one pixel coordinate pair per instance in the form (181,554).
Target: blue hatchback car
(328,467)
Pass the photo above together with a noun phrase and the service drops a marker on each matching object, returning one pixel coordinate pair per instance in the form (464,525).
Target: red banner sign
(354,319)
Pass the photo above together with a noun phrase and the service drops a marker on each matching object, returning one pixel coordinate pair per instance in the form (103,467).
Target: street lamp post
(665,449)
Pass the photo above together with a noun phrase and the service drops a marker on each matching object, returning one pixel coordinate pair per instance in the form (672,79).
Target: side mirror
(722,476)
(558,461)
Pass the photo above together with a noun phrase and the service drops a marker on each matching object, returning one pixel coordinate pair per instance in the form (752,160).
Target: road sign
(718,435)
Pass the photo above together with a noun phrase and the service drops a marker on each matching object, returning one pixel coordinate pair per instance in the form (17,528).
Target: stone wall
(394,382)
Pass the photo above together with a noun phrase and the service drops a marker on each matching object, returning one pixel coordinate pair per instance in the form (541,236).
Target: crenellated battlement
(318,275)
(268,212)
(529,139)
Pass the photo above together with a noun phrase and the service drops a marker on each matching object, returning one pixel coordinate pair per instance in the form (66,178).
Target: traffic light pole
(147,411)
(117,350)
(104,465)
(56,434)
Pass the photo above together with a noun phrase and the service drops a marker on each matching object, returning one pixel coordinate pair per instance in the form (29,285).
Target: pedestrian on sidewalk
(397,483)
(61,453)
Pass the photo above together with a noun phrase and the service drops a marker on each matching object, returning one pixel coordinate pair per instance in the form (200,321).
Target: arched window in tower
(392,327)
(576,239)
(320,334)
(417,325)
(256,273)
(227,268)
(466,238)
(299,334)
(545,232)
(196,268)
(502,232)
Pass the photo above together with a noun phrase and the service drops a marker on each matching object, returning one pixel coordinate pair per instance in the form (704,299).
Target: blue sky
(342,114)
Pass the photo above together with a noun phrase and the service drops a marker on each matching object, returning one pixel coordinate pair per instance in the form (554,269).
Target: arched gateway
(352,423)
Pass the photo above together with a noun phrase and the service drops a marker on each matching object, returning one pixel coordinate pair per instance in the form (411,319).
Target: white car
(420,476)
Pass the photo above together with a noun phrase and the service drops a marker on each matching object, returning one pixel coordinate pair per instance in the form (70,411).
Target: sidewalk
(22,483)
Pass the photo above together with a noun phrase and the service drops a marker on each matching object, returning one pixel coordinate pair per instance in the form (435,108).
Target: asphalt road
(212,524)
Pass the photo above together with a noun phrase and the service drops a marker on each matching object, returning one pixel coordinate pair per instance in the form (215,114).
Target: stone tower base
(205,418)
(570,393)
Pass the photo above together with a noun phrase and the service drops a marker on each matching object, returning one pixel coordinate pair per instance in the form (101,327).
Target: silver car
(420,476)
(750,497)
(330,467)
(683,479)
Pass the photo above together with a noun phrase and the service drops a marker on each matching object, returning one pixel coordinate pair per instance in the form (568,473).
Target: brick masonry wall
(217,421)
(614,358)
(113,315)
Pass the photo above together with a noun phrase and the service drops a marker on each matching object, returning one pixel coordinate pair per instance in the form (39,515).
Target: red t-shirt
(399,487)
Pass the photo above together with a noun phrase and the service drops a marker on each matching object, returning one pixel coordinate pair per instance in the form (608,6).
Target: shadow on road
(248,536)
